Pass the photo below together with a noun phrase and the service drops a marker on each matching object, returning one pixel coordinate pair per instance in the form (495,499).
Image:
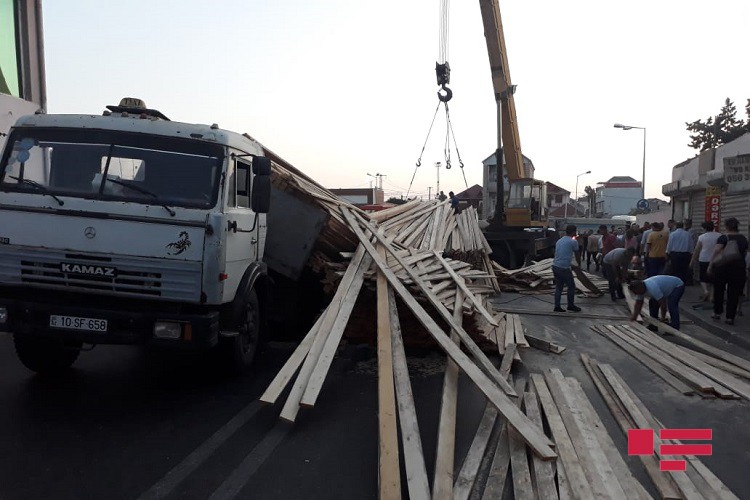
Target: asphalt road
(124,425)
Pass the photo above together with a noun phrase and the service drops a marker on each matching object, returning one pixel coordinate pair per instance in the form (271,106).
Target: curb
(731,337)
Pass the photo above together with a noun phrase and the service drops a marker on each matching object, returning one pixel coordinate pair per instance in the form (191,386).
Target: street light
(577,176)
(643,181)
(576,198)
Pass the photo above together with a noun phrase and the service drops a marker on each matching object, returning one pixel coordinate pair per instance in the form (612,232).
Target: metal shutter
(697,207)
(737,206)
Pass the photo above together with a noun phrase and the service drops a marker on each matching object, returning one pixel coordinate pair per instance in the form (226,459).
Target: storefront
(735,201)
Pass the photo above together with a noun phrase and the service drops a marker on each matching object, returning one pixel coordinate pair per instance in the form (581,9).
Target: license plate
(75,323)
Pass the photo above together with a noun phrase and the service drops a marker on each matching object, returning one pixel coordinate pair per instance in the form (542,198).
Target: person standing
(592,250)
(631,240)
(702,254)
(728,267)
(679,252)
(455,203)
(656,249)
(565,249)
(442,196)
(615,267)
(609,240)
(665,293)
(694,232)
(645,231)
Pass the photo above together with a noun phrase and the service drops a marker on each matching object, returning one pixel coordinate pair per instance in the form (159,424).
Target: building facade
(714,185)
(360,196)
(617,196)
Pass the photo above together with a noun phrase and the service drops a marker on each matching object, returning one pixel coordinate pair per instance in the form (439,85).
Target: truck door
(242,237)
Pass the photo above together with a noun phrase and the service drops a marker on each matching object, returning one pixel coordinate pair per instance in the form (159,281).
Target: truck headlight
(3,315)
(167,330)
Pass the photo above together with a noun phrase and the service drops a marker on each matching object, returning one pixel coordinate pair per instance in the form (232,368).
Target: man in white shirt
(665,293)
(679,251)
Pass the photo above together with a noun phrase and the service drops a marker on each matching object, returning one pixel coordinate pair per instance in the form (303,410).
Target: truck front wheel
(240,350)
(45,355)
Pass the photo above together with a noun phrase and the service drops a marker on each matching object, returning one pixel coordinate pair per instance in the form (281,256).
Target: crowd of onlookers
(677,249)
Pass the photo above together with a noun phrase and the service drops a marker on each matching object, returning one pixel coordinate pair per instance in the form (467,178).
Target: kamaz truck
(129,228)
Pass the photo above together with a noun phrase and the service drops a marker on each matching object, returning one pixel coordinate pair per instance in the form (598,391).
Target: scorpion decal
(179,246)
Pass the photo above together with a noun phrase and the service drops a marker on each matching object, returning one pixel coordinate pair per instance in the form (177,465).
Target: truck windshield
(112,165)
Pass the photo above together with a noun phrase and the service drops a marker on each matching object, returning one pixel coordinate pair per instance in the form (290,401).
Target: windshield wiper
(141,190)
(40,187)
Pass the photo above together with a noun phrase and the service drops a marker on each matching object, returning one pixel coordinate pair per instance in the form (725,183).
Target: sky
(346,88)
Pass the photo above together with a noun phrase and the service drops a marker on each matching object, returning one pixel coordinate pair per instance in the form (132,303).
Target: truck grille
(130,276)
(144,283)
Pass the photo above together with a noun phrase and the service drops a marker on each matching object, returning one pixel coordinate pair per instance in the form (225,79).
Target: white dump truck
(128,228)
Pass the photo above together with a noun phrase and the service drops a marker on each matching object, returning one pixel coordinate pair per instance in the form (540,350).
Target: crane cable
(445,94)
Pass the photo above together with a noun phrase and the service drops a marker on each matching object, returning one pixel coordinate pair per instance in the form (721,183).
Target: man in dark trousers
(565,248)
(455,203)
(679,252)
(615,266)
(665,292)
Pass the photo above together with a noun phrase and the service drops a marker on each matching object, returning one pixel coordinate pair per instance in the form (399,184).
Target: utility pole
(437,167)
(429,192)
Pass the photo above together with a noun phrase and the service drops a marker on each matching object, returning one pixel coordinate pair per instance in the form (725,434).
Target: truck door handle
(232,226)
(253,240)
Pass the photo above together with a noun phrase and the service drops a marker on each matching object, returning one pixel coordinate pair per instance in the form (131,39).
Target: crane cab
(526,203)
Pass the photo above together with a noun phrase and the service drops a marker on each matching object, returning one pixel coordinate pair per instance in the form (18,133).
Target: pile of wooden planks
(719,374)
(697,481)
(409,274)
(538,279)
(588,463)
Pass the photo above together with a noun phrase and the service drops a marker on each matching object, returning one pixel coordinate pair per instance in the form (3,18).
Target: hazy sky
(343,88)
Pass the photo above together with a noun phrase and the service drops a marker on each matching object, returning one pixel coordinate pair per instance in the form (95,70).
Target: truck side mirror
(260,201)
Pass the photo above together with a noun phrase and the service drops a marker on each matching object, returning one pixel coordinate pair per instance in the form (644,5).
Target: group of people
(667,254)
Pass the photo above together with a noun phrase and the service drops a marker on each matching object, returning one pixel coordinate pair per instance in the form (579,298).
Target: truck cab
(128,228)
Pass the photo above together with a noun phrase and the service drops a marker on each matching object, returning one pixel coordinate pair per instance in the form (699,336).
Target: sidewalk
(700,312)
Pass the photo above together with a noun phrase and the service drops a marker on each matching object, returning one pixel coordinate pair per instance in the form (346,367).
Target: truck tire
(239,352)
(44,355)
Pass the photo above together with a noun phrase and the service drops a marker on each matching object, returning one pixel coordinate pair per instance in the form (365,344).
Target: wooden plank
(518,331)
(544,473)
(631,487)
(568,459)
(502,459)
(663,483)
(291,406)
(482,360)
(442,486)
(533,436)
(729,381)
(717,363)
(683,482)
(416,471)
(291,366)
(389,476)
(510,325)
(686,373)
(470,467)
(544,345)
(649,363)
(468,473)
(519,462)
(599,472)
(319,373)
(708,349)
(461,283)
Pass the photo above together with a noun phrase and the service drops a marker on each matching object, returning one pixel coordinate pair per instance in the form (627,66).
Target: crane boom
(501,83)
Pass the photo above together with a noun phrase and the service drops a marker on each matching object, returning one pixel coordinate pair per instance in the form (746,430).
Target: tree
(721,129)
(591,197)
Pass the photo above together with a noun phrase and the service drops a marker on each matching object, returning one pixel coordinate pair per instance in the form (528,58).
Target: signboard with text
(713,205)
(737,173)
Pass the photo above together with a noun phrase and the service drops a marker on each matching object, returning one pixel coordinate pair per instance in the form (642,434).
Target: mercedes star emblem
(89,232)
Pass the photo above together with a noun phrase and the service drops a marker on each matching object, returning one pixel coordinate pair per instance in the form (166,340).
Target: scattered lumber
(697,481)
(538,278)
(712,373)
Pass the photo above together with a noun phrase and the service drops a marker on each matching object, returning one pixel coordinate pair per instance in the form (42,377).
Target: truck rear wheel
(45,355)
(239,351)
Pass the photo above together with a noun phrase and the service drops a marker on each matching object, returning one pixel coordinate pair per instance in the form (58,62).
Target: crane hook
(445,94)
